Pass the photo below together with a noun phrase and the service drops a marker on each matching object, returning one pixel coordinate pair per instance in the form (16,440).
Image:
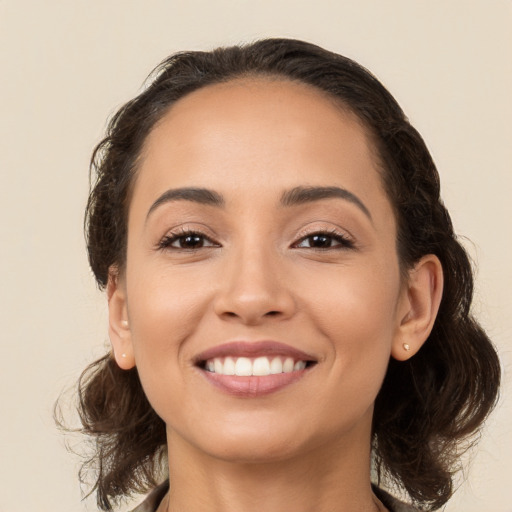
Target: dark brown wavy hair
(428,407)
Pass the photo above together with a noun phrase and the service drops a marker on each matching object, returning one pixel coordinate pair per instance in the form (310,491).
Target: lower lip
(253,386)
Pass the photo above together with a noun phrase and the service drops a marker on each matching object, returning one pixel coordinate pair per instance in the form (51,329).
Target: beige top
(150,504)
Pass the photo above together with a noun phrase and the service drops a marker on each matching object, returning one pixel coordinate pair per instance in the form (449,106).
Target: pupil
(321,241)
(192,241)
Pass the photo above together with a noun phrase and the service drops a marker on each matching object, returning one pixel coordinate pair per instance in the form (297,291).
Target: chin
(254,451)
(248,442)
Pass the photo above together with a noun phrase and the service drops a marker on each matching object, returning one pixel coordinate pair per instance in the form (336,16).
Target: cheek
(354,298)
(358,318)
(164,302)
(164,310)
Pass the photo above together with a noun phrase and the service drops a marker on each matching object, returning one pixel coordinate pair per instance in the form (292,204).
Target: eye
(186,241)
(324,240)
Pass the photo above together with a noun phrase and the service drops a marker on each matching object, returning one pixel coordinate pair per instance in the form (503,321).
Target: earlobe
(418,307)
(119,327)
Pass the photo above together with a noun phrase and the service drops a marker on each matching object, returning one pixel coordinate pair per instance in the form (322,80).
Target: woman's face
(260,240)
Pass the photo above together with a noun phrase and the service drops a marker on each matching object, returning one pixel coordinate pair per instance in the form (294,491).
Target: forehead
(270,103)
(262,134)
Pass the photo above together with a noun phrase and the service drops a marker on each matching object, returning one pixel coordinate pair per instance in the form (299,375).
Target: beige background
(66,65)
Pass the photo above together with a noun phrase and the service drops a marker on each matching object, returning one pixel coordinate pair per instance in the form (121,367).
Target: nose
(254,289)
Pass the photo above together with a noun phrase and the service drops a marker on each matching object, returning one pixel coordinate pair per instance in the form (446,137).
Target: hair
(429,406)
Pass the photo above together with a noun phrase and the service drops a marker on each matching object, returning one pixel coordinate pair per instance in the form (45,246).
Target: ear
(118,324)
(418,307)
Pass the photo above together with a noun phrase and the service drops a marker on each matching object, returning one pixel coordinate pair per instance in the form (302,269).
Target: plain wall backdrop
(65,66)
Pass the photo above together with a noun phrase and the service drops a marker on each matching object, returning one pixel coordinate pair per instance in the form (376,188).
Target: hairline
(254,76)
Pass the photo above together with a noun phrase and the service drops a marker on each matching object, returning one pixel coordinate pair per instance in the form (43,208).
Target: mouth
(253,368)
(258,367)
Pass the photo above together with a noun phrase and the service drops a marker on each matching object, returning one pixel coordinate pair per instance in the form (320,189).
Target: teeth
(261,366)
(299,365)
(217,365)
(288,365)
(243,366)
(276,366)
(229,366)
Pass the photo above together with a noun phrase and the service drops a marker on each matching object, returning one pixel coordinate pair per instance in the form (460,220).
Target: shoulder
(153,499)
(150,504)
(391,503)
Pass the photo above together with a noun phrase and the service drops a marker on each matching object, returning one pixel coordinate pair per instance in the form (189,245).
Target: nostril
(272,313)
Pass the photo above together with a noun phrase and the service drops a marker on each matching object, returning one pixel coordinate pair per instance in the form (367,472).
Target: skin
(258,276)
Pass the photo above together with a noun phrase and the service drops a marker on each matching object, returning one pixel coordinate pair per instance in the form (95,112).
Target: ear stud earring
(124,323)
(123,355)
(406,346)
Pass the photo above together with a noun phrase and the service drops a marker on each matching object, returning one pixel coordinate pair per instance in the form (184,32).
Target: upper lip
(253,349)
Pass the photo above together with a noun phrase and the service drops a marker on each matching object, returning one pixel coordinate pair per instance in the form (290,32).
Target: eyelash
(341,240)
(168,240)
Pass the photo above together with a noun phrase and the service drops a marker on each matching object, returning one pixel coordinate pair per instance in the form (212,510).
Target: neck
(327,478)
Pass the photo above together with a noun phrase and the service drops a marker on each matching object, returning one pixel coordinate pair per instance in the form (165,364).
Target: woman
(289,308)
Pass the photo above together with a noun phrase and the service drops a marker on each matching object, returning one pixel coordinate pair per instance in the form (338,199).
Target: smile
(251,369)
(260,366)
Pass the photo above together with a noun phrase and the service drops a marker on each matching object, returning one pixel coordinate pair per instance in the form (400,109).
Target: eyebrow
(301,195)
(196,195)
(295,196)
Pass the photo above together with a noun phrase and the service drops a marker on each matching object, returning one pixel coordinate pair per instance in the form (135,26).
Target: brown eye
(325,241)
(189,242)
(320,241)
(186,241)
